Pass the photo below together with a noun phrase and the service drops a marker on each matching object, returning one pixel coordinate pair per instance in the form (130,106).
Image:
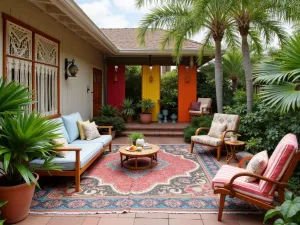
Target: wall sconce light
(150,68)
(88,88)
(187,76)
(192,62)
(70,69)
(116,68)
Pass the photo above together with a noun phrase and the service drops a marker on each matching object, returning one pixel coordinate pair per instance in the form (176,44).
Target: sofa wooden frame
(219,148)
(78,171)
(281,184)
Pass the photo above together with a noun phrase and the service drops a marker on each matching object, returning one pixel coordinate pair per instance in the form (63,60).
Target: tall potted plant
(23,137)
(128,109)
(145,115)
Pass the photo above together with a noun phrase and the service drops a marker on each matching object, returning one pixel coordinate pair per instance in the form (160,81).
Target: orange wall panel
(187,91)
(151,89)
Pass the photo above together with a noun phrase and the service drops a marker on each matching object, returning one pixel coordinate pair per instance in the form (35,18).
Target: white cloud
(129,5)
(101,12)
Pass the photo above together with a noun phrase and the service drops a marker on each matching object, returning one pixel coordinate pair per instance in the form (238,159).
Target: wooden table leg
(152,161)
(136,167)
(121,159)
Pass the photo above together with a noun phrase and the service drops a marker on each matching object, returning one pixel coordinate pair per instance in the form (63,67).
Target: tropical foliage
(128,107)
(109,111)
(146,104)
(133,86)
(289,211)
(281,77)
(2,204)
(118,123)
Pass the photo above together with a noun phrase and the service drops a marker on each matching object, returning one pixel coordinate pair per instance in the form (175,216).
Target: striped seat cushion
(224,175)
(279,162)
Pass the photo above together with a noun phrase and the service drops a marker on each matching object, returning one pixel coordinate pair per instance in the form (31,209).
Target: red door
(97,94)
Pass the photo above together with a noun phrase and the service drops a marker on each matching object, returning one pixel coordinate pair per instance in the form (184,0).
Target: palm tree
(253,19)
(185,18)
(281,77)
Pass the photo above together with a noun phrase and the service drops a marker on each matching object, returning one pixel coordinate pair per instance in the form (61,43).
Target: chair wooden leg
(281,195)
(221,206)
(219,149)
(110,146)
(192,147)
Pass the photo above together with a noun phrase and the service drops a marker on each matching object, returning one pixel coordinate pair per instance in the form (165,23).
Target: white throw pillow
(62,142)
(217,129)
(257,165)
(91,131)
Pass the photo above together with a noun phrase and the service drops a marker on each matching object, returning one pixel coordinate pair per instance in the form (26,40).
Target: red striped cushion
(279,162)
(239,185)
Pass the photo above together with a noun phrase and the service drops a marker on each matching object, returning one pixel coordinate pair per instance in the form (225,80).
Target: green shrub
(118,123)
(109,111)
(201,121)
(133,87)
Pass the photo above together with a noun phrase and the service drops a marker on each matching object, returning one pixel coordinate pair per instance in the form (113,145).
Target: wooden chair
(229,179)
(232,122)
(205,108)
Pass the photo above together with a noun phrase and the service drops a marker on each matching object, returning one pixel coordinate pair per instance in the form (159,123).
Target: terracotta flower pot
(146,118)
(129,119)
(18,199)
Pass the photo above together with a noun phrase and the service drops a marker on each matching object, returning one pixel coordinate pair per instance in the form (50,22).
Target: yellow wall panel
(151,89)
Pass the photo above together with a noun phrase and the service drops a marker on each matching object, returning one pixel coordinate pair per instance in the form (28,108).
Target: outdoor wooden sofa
(232,124)
(230,180)
(82,154)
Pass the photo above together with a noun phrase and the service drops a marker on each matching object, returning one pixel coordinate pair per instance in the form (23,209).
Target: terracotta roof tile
(126,38)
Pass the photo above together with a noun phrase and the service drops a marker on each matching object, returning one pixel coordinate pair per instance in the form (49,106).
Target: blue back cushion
(70,122)
(62,130)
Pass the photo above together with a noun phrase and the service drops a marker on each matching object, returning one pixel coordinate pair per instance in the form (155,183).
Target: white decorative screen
(19,41)
(46,50)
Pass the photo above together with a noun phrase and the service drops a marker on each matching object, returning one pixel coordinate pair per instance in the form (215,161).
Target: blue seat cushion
(104,139)
(68,163)
(70,122)
(62,130)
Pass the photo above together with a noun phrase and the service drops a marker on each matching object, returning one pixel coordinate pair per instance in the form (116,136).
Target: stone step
(155,133)
(156,127)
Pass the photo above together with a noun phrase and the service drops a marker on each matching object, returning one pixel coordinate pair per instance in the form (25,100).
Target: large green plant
(12,96)
(118,123)
(281,77)
(146,105)
(128,107)
(24,137)
(2,204)
(109,111)
(289,211)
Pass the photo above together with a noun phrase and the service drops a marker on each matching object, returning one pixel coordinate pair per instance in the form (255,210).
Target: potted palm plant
(146,105)
(128,109)
(23,137)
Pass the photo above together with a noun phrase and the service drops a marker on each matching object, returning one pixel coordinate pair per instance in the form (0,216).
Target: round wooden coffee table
(232,148)
(135,155)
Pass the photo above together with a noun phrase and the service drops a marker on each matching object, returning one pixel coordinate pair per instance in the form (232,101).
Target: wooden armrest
(201,128)
(243,160)
(229,185)
(227,131)
(106,127)
(61,149)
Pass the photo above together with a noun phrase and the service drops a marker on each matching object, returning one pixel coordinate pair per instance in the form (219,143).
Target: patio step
(156,129)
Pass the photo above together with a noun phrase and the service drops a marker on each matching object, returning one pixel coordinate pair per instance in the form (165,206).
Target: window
(32,59)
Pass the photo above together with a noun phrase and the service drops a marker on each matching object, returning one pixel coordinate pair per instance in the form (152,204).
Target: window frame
(34,31)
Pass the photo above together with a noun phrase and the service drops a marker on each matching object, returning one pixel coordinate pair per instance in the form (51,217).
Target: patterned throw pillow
(90,130)
(81,131)
(62,142)
(216,130)
(257,165)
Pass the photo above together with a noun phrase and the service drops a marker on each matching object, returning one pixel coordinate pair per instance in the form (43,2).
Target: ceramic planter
(146,118)
(233,139)
(18,199)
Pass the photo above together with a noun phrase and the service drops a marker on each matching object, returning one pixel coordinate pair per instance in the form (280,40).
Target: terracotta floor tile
(152,215)
(185,216)
(216,222)
(147,221)
(215,217)
(111,215)
(185,222)
(127,215)
(66,220)
(91,221)
(116,221)
(36,220)
(251,222)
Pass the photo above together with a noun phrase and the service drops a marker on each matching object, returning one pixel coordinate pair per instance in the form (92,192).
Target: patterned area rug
(180,182)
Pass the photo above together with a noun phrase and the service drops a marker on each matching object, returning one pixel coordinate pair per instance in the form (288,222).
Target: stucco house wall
(74,96)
